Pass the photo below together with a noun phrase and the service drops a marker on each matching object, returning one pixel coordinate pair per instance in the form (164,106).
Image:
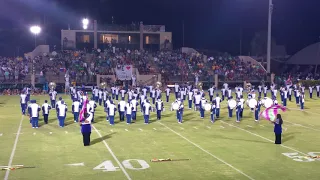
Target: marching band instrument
(232,103)
(103,85)
(207,107)
(267,102)
(52,85)
(158,84)
(200,84)
(252,103)
(175,106)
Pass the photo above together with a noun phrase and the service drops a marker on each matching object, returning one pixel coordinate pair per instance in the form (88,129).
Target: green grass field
(223,150)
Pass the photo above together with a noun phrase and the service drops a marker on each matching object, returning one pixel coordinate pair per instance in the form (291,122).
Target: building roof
(310,55)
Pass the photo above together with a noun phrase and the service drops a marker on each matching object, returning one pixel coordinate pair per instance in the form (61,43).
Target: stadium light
(85,23)
(35,30)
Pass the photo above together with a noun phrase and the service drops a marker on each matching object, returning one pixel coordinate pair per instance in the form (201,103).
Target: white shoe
(75,121)
(33,127)
(37,127)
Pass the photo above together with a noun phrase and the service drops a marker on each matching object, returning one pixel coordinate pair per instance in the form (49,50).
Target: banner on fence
(124,72)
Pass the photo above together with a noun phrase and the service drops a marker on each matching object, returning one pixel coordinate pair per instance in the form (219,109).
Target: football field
(221,150)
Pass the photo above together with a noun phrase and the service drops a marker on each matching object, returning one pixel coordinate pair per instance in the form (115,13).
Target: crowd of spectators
(82,65)
(13,69)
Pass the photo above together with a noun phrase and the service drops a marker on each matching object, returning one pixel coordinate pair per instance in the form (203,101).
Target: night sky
(209,24)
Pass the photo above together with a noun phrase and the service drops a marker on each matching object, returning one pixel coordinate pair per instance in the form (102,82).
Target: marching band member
(76,106)
(260,90)
(134,103)
(142,98)
(229,109)
(180,112)
(197,99)
(181,94)
(153,95)
(147,109)
(45,111)
(105,97)
(159,108)
(158,93)
(116,90)
(229,93)
(106,105)
(122,92)
(274,93)
(239,111)
(211,93)
(218,101)
(33,110)
(130,95)
(23,102)
(96,94)
(144,91)
(176,90)
(290,93)
(128,109)
(265,88)
(242,106)
(301,99)
(57,105)
(297,93)
(150,90)
(238,93)
(318,90)
(190,97)
(91,107)
(302,88)
(62,112)
(311,91)
(121,109)
(178,101)
(111,110)
(100,95)
(285,96)
(213,111)
(223,91)
(28,91)
(138,92)
(53,95)
(257,109)
(113,92)
(272,87)
(202,104)
(167,94)
(86,128)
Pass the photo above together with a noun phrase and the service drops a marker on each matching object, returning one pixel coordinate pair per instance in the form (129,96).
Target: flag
(270,113)
(289,81)
(83,110)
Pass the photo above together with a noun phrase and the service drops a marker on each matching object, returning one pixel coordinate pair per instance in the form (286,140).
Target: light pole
(269,36)
(35,30)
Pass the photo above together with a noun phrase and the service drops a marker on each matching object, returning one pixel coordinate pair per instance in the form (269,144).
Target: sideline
(14,149)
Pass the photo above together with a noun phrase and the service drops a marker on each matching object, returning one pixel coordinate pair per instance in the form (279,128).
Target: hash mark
(249,126)
(222,127)
(154,129)
(140,129)
(209,127)
(195,127)
(126,130)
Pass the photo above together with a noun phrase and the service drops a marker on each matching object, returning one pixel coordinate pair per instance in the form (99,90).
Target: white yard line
(14,149)
(199,147)
(113,155)
(195,127)
(126,130)
(140,129)
(154,129)
(302,126)
(257,135)
(249,126)
(208,127)
(222,127)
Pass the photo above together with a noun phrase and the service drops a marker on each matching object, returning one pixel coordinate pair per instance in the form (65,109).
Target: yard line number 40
(107,166)
(297,157)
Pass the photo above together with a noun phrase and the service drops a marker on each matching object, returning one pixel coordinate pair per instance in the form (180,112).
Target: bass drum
(267,102)
(252,103)
(207,107)
(175,106)
(232,104)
